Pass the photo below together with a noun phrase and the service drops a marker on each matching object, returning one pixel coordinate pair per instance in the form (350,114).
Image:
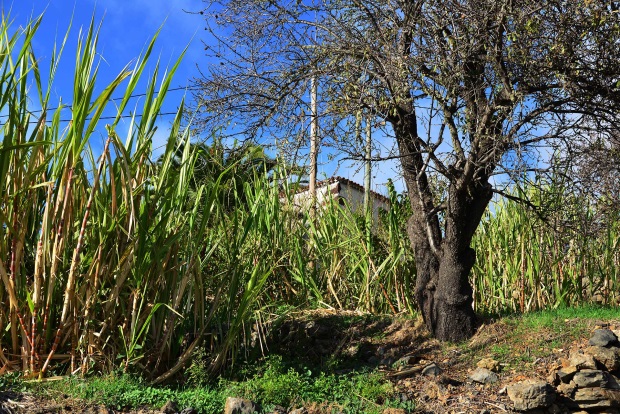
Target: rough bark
(443,291)
(443,259)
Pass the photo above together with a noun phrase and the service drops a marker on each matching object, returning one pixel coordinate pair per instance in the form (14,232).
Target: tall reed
(526,263)
(99,252)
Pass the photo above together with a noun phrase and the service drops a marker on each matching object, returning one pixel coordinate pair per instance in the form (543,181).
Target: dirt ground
(401,348)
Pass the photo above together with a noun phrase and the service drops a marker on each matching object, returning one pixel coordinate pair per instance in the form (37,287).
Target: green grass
(549,318)
(523,338)
(126,392)
(273,383)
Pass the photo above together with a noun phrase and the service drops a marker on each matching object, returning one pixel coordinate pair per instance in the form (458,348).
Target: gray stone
(603,337)
(608,357)
(484,376)
(566,374)
(189,410)
(582,361)
(531,395)
(239,406)
(432,370)
(589,398)
(589,378)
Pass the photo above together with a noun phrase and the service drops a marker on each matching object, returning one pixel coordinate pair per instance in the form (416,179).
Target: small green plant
(197,374)
(11,381)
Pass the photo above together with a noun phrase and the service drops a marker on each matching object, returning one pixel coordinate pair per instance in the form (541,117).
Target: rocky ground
(570,366)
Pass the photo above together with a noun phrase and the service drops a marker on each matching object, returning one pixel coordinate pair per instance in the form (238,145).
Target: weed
(12,381)
(273,383)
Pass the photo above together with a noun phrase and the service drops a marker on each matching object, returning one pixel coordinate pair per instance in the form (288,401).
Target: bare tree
(469,90)
(596,166)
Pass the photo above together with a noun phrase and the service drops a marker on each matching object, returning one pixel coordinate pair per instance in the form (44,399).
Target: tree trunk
(443,290)
(445,296)
(443,254)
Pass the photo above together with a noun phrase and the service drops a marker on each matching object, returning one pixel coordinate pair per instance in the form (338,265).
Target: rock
(488,363)
(432,370)
(603,337)
(566,374)
(170,408)
(562,375)
(589,378)
(581,361)
(484,376)
(189,410)
(608,357)
(299,411)
(567,389)
(239,406)
(531,394)
(588,398)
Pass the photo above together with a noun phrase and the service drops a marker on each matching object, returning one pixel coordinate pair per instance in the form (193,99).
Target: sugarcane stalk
(70,289)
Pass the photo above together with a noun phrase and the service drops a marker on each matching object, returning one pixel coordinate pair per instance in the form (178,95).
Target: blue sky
(127,27)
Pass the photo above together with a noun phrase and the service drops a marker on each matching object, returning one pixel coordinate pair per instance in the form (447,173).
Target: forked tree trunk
(444,257)
(443,291)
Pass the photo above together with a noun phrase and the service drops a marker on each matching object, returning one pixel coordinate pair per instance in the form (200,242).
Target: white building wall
(353,194)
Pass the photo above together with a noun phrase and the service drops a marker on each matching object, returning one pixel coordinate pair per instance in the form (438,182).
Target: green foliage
(197,373)
(525,264)
(273,383)
(125,392)
(277,384)
(11,381)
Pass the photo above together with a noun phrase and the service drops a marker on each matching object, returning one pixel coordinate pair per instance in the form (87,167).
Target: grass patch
(273,383)
(550,318)
(521,339)
(362,391)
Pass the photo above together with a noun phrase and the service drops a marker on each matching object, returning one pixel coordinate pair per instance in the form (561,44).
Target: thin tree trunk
(314,146)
